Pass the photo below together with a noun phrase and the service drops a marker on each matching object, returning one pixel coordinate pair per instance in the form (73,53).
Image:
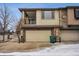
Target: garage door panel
(70,35)
(38,35)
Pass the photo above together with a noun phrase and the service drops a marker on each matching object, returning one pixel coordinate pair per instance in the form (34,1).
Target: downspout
(59,38)
(59,20)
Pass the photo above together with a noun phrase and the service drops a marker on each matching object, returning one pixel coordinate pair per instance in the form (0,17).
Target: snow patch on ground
(57,50)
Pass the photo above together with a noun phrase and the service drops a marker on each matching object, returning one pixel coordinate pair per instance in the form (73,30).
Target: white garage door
(71,35)
(38,35)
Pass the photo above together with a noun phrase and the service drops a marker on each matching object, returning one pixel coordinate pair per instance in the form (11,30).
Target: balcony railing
(30,21)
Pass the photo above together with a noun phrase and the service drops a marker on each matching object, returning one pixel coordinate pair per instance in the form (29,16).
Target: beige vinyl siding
(71,19)
(38,35)
(40,21)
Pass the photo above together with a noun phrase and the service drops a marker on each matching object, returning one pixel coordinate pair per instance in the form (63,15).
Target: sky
(14,6)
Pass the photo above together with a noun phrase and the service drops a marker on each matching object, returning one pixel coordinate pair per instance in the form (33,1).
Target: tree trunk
(8,37)
(3,37)
(3,34)
(18,38)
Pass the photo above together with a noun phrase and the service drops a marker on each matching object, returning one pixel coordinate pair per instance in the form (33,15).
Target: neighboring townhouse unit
(38,24)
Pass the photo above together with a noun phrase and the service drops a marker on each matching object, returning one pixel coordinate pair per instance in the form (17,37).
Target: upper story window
(76,12)
(47,14)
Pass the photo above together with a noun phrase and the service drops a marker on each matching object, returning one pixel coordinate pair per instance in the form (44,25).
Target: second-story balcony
(30,17)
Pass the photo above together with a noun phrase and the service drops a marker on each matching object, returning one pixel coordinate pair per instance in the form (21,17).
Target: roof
(72,7)
(23,9)
(33,9)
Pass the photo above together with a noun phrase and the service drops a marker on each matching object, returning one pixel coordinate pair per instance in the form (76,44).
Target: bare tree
(18,29)
(6,20)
